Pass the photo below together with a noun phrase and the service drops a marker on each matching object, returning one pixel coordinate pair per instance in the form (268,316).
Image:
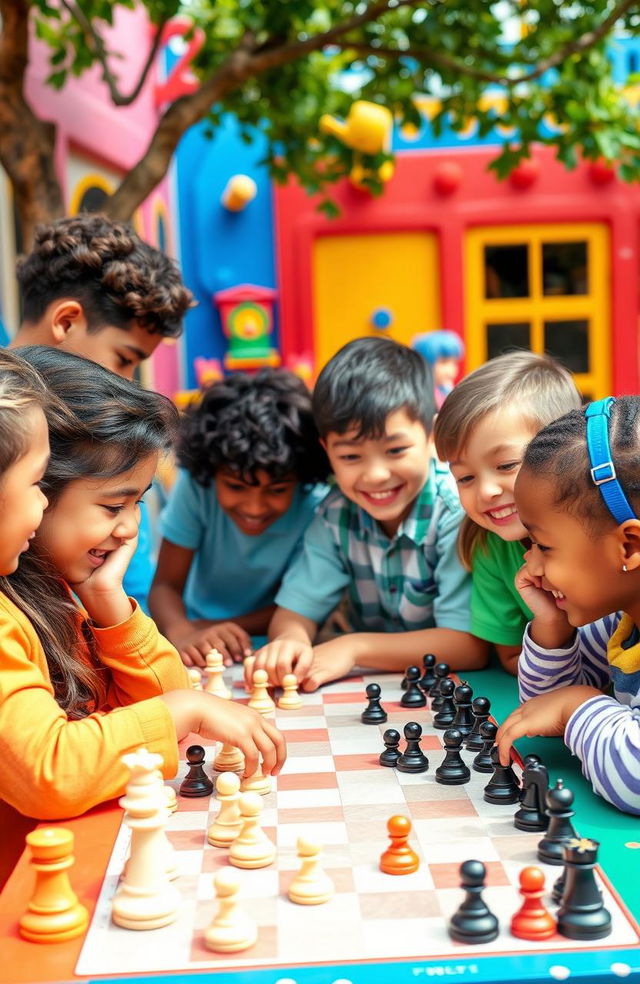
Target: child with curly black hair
(250,481)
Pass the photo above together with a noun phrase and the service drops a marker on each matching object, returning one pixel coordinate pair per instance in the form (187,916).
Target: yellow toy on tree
(366,130)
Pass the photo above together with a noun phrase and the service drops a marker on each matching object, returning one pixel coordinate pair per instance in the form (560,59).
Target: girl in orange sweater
(82,686)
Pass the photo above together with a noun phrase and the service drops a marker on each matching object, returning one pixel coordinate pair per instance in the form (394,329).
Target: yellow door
(374,284)
(545,288)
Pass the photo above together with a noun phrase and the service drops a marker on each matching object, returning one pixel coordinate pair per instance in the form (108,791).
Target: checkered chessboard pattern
(333,787)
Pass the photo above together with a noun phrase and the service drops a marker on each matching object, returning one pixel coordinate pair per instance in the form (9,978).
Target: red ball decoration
(601,172)
(525,174)
(447,177)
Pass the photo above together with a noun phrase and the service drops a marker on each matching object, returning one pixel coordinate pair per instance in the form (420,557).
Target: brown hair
(536,385)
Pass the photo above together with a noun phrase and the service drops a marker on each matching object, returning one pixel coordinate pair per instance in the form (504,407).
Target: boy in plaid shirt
(387,534)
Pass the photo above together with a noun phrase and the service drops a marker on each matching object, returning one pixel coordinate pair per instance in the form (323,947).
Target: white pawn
(260,699)
(251,848)
(229,759)
(290,699)
(231,929)
(171,798)
(312,885)
(257,783)
(215,667)
(228,823)
(196,678)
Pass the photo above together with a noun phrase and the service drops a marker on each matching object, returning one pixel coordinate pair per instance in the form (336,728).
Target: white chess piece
(251,848)
(229,759)
(145,898)
(231,929)
(290,699)
(228,823)
(257,783)
(215,667)
(312,885)
(195,677)
(260,699)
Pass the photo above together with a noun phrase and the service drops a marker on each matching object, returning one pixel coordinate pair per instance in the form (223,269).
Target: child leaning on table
(387,534)
(252,468)
(482,430)
(81,686)
(578,495)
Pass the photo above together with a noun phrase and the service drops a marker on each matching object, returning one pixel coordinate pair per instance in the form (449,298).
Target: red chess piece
(532,921)
(399,858)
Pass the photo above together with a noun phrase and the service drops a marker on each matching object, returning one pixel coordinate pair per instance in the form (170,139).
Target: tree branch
(100,52)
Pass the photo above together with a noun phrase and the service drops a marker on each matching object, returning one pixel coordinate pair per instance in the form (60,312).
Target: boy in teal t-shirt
(251,478)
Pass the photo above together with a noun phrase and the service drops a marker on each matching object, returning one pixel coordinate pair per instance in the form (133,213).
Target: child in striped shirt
(578,495)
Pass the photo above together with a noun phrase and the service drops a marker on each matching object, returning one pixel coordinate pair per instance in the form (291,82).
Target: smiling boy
(386,534)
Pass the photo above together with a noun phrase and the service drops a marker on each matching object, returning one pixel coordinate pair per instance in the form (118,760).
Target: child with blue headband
(578,495)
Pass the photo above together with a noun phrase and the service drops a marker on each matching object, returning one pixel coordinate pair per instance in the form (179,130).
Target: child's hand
(331,660)
(102,593)
(550,627)
(224,720)
(546,714)
(279,657)
(227,637)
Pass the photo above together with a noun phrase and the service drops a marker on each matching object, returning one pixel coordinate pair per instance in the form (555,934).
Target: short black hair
(107,268)
(558,454)
(250,423)
(365,381)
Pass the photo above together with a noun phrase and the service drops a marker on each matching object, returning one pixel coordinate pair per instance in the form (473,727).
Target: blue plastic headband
(603,472)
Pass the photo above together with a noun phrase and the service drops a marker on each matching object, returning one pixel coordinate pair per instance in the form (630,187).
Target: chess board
(333,788)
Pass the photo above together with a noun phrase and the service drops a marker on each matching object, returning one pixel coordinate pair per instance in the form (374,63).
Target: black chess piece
(373,712)
(428,676)
(391,754)
(582,915)
(413,696)
(558,887)
(463,720)
(453,771)
(196,782)
(473,922)
(482,762)
(560,829)
(503,787)
(480,708)
(404,683)
(445,716)
(532,813)
(413,758)
(441,672)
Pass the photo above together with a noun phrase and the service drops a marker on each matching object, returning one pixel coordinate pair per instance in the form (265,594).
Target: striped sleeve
(605,735)
(583,661)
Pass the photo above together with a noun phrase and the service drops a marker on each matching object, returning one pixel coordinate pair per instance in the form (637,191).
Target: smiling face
(582,568)
(486,470)
(253,507)
(22,501)
(91,518)
(382,475)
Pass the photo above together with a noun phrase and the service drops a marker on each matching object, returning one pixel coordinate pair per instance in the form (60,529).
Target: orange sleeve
(53,768)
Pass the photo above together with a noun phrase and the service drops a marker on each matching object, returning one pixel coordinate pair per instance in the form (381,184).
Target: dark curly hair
(558,454)
(250,423)
(105,266)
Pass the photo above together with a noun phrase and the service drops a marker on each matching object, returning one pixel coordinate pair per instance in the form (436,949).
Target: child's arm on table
(194,639)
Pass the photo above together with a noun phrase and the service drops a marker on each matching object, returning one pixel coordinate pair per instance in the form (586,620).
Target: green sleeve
(498,614)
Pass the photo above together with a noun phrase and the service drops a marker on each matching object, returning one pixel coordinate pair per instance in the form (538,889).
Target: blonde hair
(536,385)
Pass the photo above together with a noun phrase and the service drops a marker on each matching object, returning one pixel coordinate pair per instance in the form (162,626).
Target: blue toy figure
(444,351)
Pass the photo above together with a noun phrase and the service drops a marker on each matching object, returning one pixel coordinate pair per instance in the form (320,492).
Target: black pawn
(445,716)
(196,782)
(560,830)
(503,787)
(480,708)
(413,696)
(404,683)
(453,771)
(373,713)
(428,675)
(532,813)
(482,762)
(441,672)
(473,922)
(463,720)
(412,759)
(582,916)
(391,754)
(558,887)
